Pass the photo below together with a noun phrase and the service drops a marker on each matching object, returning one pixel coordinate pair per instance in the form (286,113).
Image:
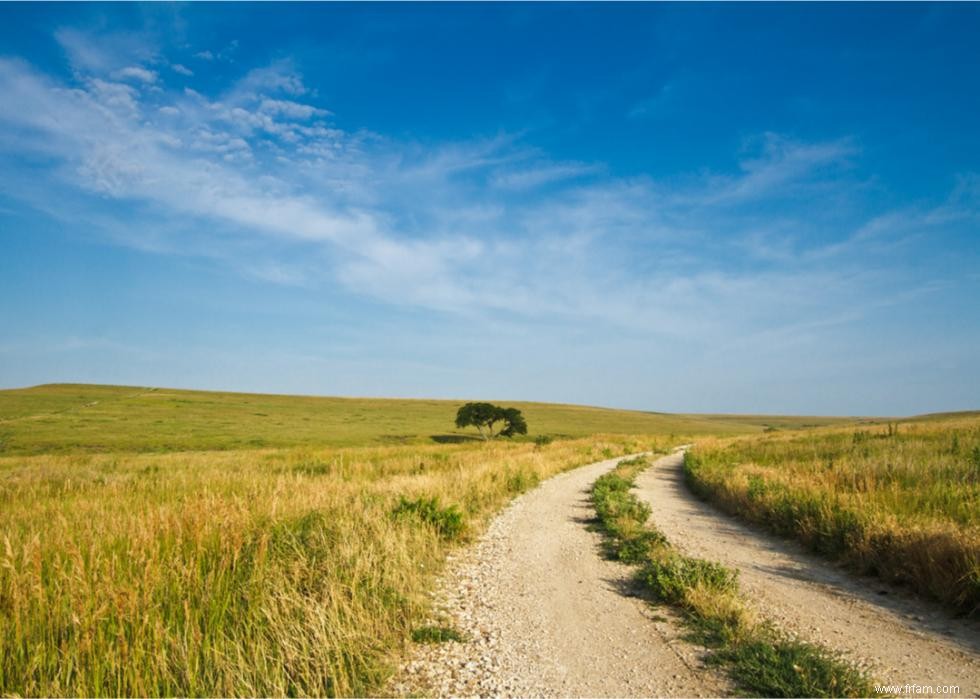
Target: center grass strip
(758,657)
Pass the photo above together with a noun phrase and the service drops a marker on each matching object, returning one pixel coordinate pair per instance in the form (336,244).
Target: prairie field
(156,542)
(152,544)
(263,572)
(72,418)
(899,499)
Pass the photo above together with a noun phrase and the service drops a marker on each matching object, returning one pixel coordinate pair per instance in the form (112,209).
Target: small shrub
(637,546)
(448,521)
(520,481)
(614,503)
(543,440)
(635,461)
(783,668)
(671,575)
(720,618)
(436,634)
(757,488)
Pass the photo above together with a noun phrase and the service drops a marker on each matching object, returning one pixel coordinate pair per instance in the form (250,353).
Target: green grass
(769,423)
(761,660)
(73,418)
(900,500)
(448,521)
(436,634)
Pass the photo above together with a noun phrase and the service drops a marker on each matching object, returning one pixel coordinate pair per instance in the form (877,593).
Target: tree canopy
(484,416)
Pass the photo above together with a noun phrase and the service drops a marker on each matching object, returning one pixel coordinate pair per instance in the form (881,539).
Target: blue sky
(693,207)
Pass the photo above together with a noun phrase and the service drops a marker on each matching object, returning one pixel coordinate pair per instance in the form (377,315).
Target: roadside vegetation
(229,573)
(899,500)
(761,660)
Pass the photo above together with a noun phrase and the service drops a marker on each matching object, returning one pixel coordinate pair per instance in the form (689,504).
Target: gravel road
(900,638)
(547,615)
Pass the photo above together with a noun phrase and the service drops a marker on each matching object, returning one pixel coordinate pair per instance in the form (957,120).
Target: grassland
(157,542)
(260,573)
(166,542)
(74,418)
(900,500)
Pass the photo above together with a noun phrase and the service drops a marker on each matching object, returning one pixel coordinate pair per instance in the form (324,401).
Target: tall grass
(260,573)
(898,500)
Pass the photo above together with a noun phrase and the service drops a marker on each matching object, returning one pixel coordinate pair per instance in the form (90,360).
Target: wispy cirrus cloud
(261,167)
(536,176)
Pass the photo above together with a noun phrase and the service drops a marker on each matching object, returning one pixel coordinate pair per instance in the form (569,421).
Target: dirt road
(548,616)
(901,639)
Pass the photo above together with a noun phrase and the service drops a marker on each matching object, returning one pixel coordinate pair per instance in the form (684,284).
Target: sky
(674,207)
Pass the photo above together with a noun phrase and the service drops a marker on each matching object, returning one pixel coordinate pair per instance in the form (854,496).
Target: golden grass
(259,573)
(900,500)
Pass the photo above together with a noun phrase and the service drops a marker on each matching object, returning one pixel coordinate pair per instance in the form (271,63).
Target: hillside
(89,418)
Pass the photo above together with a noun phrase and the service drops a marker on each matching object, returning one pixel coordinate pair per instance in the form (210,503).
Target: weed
(448,521)
(788,668)
(436,634)
(671,576)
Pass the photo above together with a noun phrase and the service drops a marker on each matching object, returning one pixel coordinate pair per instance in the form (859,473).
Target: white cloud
(293,110)
(183,70)
(83,53)
(437,226)
(106,52)
(204,55)
(545,174)
(136,73)
(278,77)
(117,97)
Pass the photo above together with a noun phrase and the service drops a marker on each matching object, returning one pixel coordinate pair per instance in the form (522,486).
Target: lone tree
(483,416)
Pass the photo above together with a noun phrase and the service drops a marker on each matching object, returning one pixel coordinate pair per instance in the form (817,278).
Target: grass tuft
(789,668)
(448,521)
(436,634)
(670,576)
